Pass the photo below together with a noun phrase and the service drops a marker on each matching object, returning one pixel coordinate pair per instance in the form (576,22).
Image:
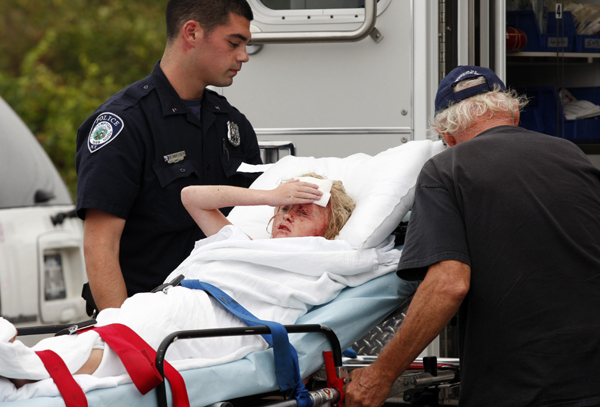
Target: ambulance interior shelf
(561,46)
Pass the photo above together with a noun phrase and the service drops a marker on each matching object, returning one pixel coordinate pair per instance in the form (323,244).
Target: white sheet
(351,315)
(276,279)
(280,279)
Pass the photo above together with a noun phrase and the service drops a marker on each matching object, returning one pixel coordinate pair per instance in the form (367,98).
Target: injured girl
(275,279)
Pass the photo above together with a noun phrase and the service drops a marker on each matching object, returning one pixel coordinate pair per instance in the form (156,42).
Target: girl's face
(300,221)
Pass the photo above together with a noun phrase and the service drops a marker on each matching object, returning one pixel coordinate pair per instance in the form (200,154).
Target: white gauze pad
(324,186)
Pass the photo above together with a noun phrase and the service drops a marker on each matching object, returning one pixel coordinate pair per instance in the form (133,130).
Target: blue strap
(286,358)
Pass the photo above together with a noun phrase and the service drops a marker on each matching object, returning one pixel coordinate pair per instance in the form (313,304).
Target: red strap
(138,358)
(180,396)
(67,386)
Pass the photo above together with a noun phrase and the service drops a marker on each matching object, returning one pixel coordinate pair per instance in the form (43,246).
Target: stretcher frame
(420,385)
(320,397)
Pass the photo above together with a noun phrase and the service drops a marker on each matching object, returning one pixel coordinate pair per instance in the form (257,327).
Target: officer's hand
(294,192)
(367,388)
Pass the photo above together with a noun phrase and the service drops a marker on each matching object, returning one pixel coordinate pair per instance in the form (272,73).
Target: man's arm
(101,242)
(436,301)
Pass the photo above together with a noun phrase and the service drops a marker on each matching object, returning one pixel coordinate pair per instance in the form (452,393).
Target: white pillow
(382,187)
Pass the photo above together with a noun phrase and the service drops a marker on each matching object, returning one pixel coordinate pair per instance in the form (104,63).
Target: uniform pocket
(231,162)
(238,179)
(168,173)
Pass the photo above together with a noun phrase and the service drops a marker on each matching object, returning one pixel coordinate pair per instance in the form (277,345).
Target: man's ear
(192,32)
(450,140)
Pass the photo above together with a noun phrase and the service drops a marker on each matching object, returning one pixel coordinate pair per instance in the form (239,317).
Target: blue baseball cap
(446,97)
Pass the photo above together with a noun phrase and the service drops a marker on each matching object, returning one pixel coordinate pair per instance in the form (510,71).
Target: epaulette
(219,102)
(131,95)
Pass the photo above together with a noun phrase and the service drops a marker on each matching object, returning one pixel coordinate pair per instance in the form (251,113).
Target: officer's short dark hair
(208,13)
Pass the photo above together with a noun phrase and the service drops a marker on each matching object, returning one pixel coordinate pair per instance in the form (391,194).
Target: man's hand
(368,388)
(436,301)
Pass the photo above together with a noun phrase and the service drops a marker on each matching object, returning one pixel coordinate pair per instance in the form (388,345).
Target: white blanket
(279,280)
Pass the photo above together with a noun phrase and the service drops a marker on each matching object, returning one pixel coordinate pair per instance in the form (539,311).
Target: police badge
(233,134)
(105,129)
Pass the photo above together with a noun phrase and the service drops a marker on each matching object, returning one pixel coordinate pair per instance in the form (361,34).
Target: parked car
(41,239)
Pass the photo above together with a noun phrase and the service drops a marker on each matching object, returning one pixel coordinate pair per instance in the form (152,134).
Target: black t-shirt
(136,154)
(523,210)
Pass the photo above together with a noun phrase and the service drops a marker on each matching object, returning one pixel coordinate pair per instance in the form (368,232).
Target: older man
(505,230)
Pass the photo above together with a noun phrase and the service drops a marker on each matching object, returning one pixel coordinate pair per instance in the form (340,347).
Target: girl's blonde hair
(460,116)
(340,207)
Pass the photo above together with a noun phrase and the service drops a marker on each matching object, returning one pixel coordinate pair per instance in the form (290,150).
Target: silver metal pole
(471,35)
(500,40)
(318,397)
(484,33)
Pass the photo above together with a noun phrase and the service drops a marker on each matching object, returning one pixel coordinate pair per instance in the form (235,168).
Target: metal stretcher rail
(161,394)
(416,381)
(422,380)
(57,330)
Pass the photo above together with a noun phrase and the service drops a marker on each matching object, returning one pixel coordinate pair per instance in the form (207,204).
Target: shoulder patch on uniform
(105,129)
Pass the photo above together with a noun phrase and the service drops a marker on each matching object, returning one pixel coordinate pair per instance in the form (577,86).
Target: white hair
(460,116)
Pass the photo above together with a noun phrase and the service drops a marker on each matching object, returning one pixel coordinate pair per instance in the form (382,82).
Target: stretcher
(351,315)
(383,187)
(253,377)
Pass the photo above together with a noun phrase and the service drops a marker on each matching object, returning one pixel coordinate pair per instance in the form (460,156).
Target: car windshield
(28,176)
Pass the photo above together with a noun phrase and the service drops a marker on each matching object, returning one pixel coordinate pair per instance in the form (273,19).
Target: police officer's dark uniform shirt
(139,150)
(523,210)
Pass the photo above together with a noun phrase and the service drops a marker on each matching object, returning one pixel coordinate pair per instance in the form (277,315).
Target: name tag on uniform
(175,157)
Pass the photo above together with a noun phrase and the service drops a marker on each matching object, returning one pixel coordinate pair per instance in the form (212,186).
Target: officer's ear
(192,32)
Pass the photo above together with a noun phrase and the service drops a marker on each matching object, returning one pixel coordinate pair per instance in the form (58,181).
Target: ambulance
(331,78)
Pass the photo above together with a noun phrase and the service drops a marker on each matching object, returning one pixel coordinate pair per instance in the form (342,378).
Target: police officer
(147,142)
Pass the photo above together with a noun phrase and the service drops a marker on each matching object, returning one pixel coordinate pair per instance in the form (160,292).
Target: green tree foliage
(61,59)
